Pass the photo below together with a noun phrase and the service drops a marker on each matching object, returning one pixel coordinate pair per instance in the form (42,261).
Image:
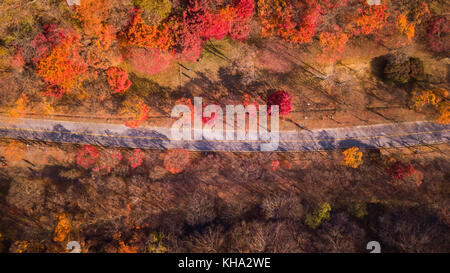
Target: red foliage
(50,37)
(399,170)
(149,61)
(188,44)
(87,156)
(136,158)
(118,79)
(244,10)
(108,161)
(438,34)
(216,25)
(281,98)
(275,165)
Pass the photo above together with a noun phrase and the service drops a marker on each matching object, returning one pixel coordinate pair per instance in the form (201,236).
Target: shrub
(71,174)
(17,61)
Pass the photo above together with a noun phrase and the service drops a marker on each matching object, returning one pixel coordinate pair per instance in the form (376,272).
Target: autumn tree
(370,18)
(282,99)
(140,34)
(435,99)
(92,14)
(352,157)
(406,27)
(188,44)
(51,36)
(136,158)
(87,156)
(139,116)
(277,18)
(332,45)
(118,79)
(62,229)
(62,66)
(19,108)
(444,113)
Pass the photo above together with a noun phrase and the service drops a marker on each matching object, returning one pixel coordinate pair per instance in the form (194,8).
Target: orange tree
(352,157)
(62,66)
(92,15)
(140,34)
(436,99)
(62,229)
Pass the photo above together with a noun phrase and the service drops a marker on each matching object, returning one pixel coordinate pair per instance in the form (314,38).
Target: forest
(325,63)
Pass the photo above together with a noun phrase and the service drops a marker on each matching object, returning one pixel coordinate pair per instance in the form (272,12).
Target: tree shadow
(377,65)
(349,143)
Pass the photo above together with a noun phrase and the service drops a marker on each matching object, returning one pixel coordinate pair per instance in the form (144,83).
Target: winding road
(371,136)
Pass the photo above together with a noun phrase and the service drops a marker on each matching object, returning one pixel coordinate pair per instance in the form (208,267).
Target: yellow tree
(352,157)
(20,108)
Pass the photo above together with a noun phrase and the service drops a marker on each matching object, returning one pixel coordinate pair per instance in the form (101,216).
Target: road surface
(372,136)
